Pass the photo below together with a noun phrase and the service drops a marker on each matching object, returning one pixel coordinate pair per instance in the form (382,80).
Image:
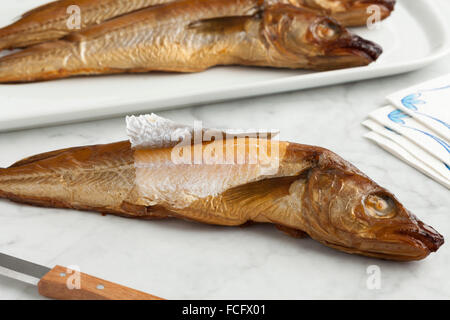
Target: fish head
(350,12)
(350,212)
(302,35)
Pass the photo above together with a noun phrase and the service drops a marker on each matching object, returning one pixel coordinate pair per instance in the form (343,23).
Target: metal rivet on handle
(100,287)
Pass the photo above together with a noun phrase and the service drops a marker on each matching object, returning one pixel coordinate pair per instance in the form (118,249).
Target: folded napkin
(416,129)
(428,103)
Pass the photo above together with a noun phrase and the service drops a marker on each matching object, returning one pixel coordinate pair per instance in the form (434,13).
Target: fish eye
(380,206)
(327,29)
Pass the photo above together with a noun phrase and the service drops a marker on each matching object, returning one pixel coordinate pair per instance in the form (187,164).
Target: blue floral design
(397,116)
(437,89)
(411,101)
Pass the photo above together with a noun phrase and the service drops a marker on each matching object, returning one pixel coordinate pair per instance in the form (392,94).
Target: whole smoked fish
(191,36)
(304,190)
(49,22)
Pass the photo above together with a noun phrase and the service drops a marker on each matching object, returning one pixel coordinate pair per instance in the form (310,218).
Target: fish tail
(40,62)
(48,61)
(65,179)
(2,192)
(29,28)
(21,182)
(6,189)
(7,35)
(18,35)
(8,183)
(22,189)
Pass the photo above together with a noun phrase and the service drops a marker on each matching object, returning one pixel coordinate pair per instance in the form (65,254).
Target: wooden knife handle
(64,285)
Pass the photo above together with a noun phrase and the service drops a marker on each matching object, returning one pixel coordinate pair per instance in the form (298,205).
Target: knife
(66,284)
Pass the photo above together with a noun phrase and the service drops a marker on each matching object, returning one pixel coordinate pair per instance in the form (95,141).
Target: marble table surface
(182,260)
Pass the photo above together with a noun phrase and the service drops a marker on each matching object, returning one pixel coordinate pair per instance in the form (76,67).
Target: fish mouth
(348,52)
(406,243)
(366,50)
(423,235)
(411,242)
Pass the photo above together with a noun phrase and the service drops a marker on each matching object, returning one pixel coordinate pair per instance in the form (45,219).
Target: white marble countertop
(182,260)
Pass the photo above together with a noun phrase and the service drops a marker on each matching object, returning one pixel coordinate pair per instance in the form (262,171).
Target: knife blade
(21,270)
(58,282)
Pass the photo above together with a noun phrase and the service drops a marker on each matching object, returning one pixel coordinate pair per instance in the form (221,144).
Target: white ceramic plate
(414,36)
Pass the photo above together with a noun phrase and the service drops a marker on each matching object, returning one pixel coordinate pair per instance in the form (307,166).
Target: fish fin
(299,234)
(42,47)
(117,147)
(268,188)
(41,156)
(247,224)
(144,212)
(221,25)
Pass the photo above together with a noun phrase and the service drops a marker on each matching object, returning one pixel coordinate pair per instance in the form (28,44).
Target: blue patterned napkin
(415,128)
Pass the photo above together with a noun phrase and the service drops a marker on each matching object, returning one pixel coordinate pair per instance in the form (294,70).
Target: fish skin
(309,191)
(192,36)
(49,179)
(49,22)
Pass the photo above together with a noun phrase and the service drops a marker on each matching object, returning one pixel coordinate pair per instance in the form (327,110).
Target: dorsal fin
(39,157)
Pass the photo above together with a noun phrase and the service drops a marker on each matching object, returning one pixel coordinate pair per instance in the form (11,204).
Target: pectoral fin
(266,189)
(299,234)
(221,25)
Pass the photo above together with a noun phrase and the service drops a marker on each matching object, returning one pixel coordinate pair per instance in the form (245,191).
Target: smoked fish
(50,21)
(194,35)
(303,190)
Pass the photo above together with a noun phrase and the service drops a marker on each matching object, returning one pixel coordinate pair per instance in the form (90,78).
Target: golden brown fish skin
(73,178)
(192,36)
(313,191)
(49,22)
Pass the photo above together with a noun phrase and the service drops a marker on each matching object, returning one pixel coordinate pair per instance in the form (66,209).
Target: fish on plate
(303,190)
(192,36)
(49,22)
